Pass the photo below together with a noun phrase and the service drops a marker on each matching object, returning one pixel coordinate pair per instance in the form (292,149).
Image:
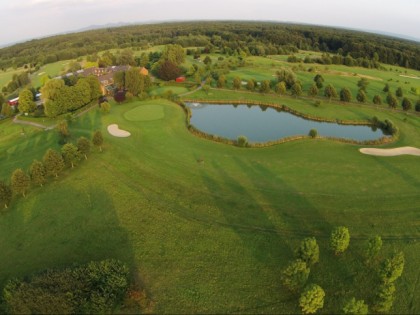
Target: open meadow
(208,227)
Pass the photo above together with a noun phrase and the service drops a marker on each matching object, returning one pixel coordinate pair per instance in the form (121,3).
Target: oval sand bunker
(117,132)
(391,152)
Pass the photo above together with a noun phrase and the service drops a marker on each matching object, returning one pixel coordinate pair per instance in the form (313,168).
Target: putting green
(145,113)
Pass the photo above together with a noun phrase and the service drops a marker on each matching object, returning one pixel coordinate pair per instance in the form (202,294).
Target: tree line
(311,297)
(52,164)
(252,38)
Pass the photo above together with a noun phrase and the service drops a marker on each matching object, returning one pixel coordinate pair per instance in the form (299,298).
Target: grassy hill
(208,227)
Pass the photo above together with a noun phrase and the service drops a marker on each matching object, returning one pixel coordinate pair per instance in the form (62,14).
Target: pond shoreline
(208,136)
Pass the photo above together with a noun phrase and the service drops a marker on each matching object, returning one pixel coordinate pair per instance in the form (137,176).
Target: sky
(27,19)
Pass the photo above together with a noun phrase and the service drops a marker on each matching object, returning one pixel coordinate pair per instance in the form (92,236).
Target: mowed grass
(145,113)
(6,76)
(161,90)
(208,227)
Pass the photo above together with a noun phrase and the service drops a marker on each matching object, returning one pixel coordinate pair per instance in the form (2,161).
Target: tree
(386,88)
(319,80)
(173,53)
(399,92)
(345,95)
(406,104)
(356,307)
(361,96)
(373,247)
(313,90)
(63,129)
(308,251)
(98,139)
(221,81)
(70,154)
(287,76)
(312,299)
(26,101)
(5,194)
(295,275)
(105,107)
(20,182)
(51,89)
(53,162)
(125,57)
(242,141)
(377,100)
(119,79)
(362,84)
(418,106)
(37,173)
(392,268)
(330,91)
(280,88)
(51,108)
(384,298)
(340,239)
(83,145)
(313,133)
(296,89)
(250,85)
(95,87)
(207,60)
(6,110)
(133,81)
(392,101)
(265,86)
(168,71)
(237,83)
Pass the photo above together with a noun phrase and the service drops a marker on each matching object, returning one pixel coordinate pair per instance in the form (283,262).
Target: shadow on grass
(68,225)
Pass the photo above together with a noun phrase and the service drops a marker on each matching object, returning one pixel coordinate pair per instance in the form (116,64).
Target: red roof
(180,79)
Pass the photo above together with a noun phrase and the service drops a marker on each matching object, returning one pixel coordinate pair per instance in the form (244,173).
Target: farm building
(180,79)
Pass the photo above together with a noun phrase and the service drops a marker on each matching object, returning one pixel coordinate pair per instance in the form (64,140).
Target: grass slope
(213,237)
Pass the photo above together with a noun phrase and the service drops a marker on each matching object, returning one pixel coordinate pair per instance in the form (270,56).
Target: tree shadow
(64,226)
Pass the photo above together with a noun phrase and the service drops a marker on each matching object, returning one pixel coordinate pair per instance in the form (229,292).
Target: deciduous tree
(296,89)
(237,83)
(362,84)
(373,247)
(399,92)
(250,85)
(377,100)
(319,80)
(340,239)
(345,95)
(295,275)
(308,251)
(265,86)
(392,100)
(26,101)
(105,107)
(330,91)
(53,162)
(384,298)
(280,88)
(221,81)
(361,96)
(70,153)
(20,182)
(313,90)
(356,307)
(37,173)
(83,145)
(406,104)
(5,194)
(392,268)
(312,299)
(98,139)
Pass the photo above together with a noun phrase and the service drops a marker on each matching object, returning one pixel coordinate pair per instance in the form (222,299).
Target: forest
(252,38)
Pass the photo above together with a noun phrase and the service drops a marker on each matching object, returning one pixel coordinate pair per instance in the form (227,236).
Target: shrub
(242,141)
(313,133)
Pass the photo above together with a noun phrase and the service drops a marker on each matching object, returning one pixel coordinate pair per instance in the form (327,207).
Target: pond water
(258,125)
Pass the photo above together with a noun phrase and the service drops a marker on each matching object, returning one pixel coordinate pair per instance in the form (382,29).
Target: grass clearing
(145,113)
(213,237)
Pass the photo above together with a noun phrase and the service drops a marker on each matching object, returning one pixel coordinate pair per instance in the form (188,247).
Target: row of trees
(296,274)
(60,98)
(53,163)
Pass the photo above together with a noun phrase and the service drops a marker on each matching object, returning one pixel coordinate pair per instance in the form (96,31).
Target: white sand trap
(117,132)
(391,152)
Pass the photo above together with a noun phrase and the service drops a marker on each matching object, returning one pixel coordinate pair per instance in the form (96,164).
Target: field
(208,227)
(6,76)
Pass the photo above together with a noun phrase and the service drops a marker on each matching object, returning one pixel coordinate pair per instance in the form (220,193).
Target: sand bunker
(391,152)
(117,132)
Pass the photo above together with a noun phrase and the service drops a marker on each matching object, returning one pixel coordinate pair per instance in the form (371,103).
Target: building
(180,79)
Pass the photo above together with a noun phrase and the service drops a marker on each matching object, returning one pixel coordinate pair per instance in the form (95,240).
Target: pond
(258,125)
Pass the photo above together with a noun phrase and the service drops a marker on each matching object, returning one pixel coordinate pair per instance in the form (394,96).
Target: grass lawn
(6,76)
(145,112)
(206,226)
(161,90)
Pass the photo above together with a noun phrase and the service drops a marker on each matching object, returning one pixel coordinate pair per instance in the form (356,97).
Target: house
(13,102)
(180,79)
